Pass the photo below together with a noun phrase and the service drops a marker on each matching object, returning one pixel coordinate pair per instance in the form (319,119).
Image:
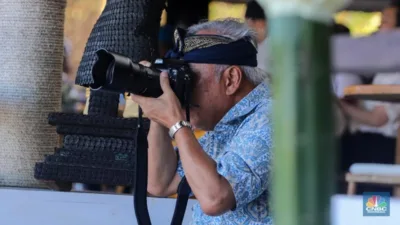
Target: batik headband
(213,49)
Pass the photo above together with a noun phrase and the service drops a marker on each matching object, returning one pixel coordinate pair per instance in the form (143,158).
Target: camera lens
(110,73)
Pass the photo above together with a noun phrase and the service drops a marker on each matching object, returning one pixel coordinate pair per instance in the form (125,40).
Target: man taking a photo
(228,169)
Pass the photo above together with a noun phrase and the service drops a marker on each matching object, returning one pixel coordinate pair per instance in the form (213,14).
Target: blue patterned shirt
(241,145)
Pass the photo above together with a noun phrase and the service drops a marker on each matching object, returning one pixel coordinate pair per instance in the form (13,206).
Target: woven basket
(31,56)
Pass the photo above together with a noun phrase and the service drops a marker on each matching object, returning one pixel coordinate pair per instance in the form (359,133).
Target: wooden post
(304,156)
(351,189)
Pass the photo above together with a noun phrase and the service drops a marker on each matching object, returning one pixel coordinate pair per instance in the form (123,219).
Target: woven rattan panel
(128,27)
(96,149)
(31,55)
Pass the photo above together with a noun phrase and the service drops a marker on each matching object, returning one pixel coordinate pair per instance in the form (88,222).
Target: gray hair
(234,29)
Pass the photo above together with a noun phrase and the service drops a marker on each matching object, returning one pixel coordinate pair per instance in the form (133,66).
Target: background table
(374,92)
(390,93)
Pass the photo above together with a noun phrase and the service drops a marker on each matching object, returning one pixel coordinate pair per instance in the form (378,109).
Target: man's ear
(232,78)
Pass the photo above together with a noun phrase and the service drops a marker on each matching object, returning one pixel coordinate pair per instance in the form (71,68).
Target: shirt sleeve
(393,114)
(392,111)
(247,166)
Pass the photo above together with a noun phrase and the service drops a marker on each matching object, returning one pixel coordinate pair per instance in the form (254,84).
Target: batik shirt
(241,145)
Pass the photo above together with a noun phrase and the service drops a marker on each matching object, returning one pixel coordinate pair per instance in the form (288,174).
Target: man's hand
(166,109)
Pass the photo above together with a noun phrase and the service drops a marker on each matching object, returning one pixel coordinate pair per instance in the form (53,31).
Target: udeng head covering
(214,49)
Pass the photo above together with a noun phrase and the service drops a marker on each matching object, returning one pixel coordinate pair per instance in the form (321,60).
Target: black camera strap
(181,202)
(140,188)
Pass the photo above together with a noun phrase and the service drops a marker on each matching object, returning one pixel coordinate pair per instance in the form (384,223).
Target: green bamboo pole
(304,158)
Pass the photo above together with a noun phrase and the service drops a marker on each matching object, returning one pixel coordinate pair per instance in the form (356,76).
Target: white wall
(40,207)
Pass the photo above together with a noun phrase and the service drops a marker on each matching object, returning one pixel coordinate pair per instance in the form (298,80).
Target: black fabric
(364,147)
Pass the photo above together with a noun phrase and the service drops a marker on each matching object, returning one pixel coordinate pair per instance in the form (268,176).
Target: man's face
(209,95)
(388,19)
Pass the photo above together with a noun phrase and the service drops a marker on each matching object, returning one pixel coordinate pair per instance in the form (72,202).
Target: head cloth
(213,49)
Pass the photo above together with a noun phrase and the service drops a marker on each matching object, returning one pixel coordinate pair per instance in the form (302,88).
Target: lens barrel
(117,73)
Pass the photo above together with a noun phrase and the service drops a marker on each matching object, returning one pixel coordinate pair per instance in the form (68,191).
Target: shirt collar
(247,104)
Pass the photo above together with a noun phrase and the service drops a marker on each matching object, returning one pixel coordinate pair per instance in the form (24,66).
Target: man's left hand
(166,109)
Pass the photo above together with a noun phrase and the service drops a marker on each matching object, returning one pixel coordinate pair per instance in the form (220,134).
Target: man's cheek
(195,98)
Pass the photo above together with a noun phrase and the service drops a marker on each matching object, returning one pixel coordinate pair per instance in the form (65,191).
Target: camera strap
(140,188)
(181,202)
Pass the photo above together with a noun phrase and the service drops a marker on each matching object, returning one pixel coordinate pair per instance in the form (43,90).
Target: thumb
(164,82)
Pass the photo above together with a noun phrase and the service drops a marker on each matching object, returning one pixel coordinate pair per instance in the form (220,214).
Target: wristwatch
(177,126)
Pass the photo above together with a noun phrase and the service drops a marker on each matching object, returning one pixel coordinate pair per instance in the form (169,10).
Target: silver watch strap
(177,126)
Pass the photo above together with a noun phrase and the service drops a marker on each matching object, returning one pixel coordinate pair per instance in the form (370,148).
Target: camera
(117,73)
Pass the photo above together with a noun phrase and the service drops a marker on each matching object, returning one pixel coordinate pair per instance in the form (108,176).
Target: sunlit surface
(219,10)
(359,23)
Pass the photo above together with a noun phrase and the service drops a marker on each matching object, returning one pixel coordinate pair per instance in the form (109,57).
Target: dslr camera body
(117,73)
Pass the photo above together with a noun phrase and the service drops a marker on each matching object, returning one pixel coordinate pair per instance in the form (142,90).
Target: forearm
(210,188)
(376,117)
(162,160)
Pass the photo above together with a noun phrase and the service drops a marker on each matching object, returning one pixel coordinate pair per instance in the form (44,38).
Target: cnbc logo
(376,204)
